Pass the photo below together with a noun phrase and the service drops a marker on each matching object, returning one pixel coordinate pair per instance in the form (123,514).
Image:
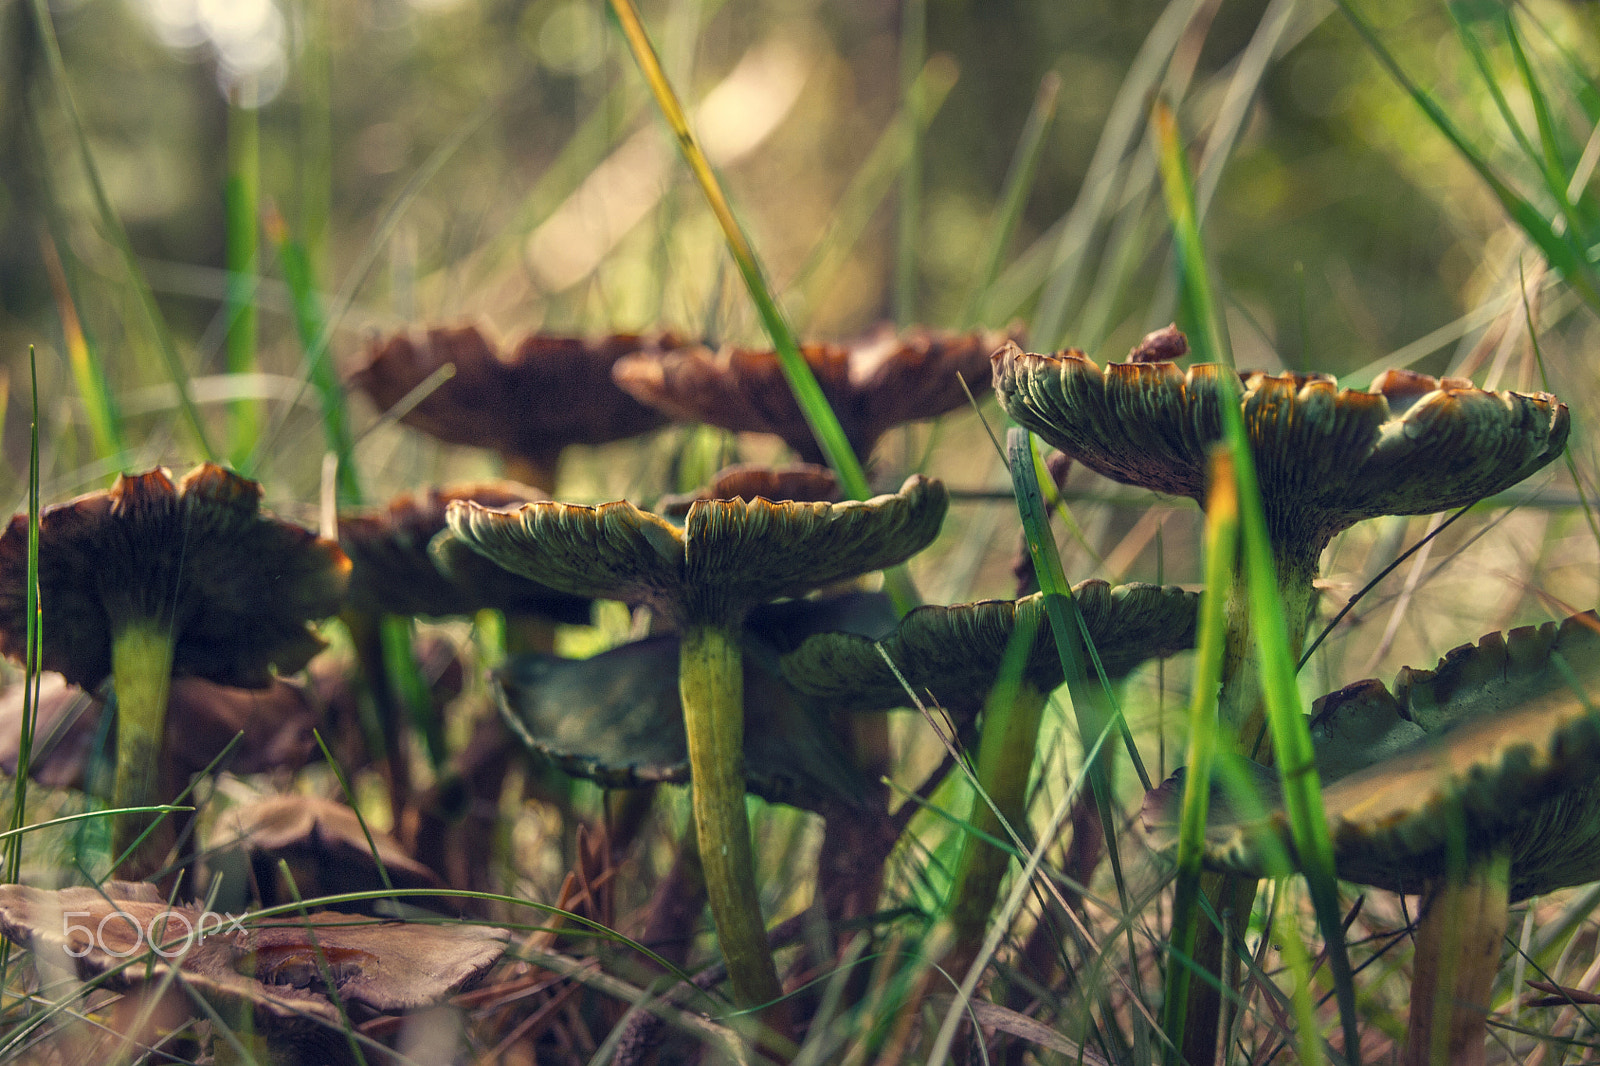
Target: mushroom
(1326,458)
(705,577)
(873,384)
(958,654)
(547,392)
(1472,783)
(393,573)
(151,581)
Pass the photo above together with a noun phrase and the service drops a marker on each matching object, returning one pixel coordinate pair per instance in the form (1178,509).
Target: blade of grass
(34,635)
(1545,161)
(1220,548)
(1291,739)
(1014,193)
(294,261)
(83,356)
(1101,185)
(913,50)
(868,188)
(1560,249)
(317,352)
(241,196)
(1067,628)
(802,382)
(117,234)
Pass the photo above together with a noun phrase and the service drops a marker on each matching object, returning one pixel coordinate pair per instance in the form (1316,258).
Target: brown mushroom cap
(546,393)
(1326,457)
(955,652)
(1498,742)
(749,481)
(236,586)
(729,555)
(873,384)
(393,572)
(273,964)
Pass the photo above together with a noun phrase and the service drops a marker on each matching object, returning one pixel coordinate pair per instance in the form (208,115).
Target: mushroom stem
(1240,705)
(1005,758)
(1458,954)
(141,675)
(711,685)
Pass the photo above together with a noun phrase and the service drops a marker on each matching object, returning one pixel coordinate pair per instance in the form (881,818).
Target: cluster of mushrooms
(177,613)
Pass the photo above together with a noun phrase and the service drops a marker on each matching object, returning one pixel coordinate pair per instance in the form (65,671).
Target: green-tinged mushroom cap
(955,652)
(1326,458)
(1499,741)
(705,577)
(393,572)
(727,556)
(617,719)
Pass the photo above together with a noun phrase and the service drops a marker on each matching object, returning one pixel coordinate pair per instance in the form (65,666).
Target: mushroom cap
(748,481)
(1499,742)
(393,572)
(728,556)
(272,964)
(236,586)
(617,719)
(1326,457)
(546,393)
(955,652)
(873,383)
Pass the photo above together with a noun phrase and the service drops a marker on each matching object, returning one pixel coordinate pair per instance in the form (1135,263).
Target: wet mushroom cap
(873,384)
(273,964)
(393,571)
(728,556)
(955,652)
(617,719)
(1326,457)
(237,585)
(1497,742)
(544,393)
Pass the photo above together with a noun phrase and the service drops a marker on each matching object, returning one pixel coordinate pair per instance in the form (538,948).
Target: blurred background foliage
(1343,226)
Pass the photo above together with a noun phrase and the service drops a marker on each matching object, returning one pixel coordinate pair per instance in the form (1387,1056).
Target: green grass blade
(241,196)
(1221,545)
(1067,628)
(83,356)
(913,48)
(33,640)
(117,234)
(406,679)
(1014,193)
(869,187)
(1291,739)
(1561,250)
(802,382)
(310,324)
